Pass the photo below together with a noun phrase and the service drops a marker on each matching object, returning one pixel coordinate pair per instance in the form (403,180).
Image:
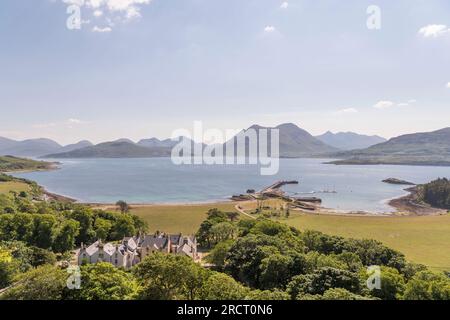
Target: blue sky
(159,65)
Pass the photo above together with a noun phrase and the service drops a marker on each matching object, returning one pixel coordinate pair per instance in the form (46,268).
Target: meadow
(177,218)
(423,239)
(6,187)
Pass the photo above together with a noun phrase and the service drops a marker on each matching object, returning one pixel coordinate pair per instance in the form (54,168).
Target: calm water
(157,180)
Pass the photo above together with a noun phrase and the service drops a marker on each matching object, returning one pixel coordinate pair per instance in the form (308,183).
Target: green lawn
(423,239)
(174,219)
(6,187)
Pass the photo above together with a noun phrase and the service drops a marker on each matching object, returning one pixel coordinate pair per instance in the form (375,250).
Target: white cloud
(101,30)
(384,104)
(448,85)
(434,30)
(69,123)
(98,13)
(347,111)
(269,29)
(284,5)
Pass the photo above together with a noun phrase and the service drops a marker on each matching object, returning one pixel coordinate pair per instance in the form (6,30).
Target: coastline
(404,205)
(409,204)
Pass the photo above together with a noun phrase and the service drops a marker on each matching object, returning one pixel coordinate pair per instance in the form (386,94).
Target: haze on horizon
(140,69)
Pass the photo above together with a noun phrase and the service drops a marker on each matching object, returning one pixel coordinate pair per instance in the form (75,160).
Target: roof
(108,248)
(158,242)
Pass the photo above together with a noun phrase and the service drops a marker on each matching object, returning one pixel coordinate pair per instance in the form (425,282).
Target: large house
(133,250)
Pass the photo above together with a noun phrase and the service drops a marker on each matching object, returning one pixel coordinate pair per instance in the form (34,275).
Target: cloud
(347,111)
(448,85)
(69,123)
(384,104)
(269,29)
(98,13)
(284,5)
(101,30)
(434,30)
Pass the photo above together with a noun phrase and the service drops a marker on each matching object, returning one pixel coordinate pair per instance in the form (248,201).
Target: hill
(294,141)
(28,148)
(10,163)
(36,147)
(425,148)
(114,149)
(349,140)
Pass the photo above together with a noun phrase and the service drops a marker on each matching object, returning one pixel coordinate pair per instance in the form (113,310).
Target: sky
(144,68)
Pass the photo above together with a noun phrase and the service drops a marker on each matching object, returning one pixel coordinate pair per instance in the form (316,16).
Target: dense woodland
(248,259)
(436,193)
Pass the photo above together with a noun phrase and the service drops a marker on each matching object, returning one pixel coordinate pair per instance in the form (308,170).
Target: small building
(133,250)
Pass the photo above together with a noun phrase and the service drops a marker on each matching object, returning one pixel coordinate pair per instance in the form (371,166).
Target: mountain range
(349,140)
(36,147)
(294,142)
(432,148)
(425,148)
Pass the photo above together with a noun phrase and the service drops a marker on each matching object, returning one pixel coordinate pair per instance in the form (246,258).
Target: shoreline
(409,204)
(404,205)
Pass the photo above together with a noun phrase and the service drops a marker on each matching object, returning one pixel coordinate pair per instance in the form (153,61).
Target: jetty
(274,191)
(277,186)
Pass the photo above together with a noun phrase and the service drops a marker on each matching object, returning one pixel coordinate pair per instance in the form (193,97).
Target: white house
(132,250)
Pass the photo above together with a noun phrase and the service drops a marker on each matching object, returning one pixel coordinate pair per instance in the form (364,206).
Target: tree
(44,230)
(7,268)
(103,281)
(222,231)
(321,280)
(84,217)
(102,228)
(39,257)
(351,261)
(428,285)
(43,283)
(275,271)
(217,256)
(65,238)
(267,295)
(232,215)
(220,286)
(341,294)
(123,227)
(123,206)
(166,277)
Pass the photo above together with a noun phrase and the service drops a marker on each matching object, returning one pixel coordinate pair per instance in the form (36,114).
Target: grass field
(6,187)
(423,239)
(174,219)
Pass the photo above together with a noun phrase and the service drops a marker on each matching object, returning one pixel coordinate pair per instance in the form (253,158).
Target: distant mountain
(294,141)
(28,148)
(154,142)
(349,140)
(114,149)
(6,143)
(427,148)
(75,146)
